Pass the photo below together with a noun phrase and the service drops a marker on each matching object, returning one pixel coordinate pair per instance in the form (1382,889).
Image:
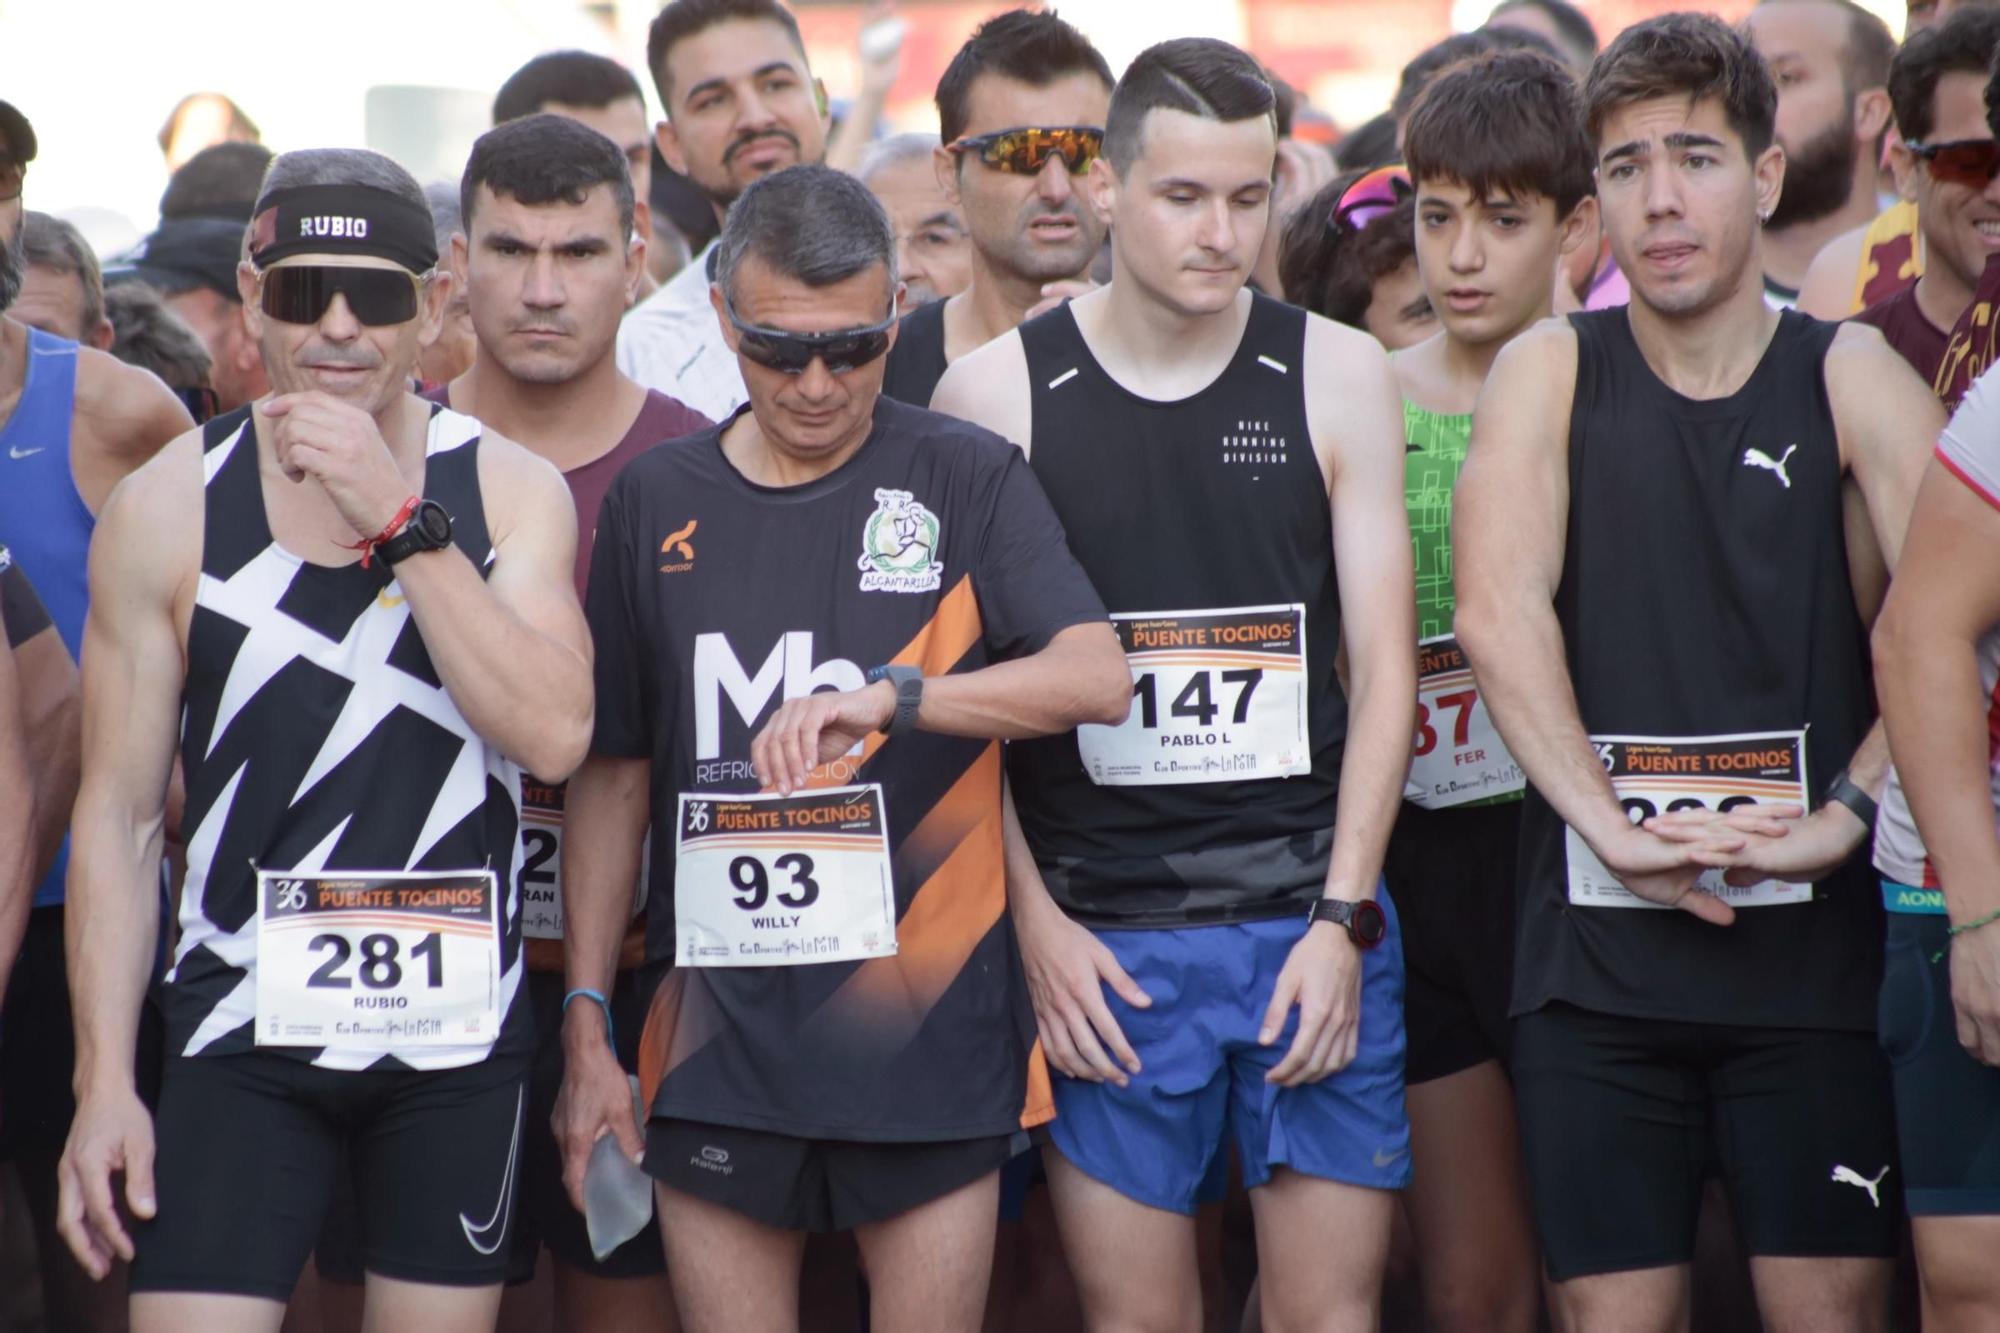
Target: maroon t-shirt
(1904,325)
(1975,339)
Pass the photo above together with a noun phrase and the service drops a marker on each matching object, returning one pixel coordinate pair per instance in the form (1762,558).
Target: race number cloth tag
(541,861)
(773,881)
(1655,775)
(1459,756)
(366,959)
(1217,696)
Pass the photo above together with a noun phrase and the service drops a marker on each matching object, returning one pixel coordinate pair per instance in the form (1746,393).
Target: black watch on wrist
(1365,923)
(429,529)
(909,685)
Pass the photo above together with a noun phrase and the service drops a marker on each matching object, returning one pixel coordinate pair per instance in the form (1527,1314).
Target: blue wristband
(584,992)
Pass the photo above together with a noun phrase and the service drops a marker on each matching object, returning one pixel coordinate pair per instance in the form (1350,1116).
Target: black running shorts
(1947,1103)
(248,1148)
(815,1184)
(1623,1119)
(1451,873)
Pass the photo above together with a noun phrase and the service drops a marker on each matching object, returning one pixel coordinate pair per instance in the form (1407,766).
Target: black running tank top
(1709,618)
(1211,503)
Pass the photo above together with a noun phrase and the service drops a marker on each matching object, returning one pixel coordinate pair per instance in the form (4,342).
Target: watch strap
(414,536)
(1843,791)
(909,683)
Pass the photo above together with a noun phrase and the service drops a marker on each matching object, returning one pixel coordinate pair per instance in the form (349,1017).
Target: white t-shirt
(672,342)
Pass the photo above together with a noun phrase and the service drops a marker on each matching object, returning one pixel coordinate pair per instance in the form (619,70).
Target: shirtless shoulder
(123,416)
(989,387)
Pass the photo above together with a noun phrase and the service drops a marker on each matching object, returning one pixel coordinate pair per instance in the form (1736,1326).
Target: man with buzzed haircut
(1830,59)
(1671,531)
(348,610)
(77,421)
(1022,109)
(741,103)
(1193,876)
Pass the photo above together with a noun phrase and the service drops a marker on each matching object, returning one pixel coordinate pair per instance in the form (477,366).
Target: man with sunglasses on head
(352,613)
(1021,108)
(1672,528)
(73,422)
(814,623)
(1937,84)
(741,103)
(1198,889)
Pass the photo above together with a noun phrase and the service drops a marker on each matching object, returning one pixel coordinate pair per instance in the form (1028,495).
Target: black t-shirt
(917,362)
(713,598)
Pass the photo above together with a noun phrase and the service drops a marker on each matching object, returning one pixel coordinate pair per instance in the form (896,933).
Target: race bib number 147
(1655,775)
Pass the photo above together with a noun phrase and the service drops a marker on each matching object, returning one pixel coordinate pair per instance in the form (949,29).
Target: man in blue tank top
(1673,526)
(1208,951)
(73,422)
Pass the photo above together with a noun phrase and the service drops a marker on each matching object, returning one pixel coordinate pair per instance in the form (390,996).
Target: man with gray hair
(814,623)
(933,250)
(62,291)
(148,335)
(365,633)
(451,354)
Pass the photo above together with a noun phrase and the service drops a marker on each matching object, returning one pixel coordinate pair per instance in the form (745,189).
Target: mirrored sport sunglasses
(1969,162)
(1025,150)
(300,293)
(1370,197)
(793,353)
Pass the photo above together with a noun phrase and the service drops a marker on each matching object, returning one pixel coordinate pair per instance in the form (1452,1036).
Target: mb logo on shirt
(718,672)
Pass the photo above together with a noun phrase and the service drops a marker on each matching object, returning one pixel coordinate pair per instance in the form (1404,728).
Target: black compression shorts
(1623,1119)
(1947,1103)
(248,1148)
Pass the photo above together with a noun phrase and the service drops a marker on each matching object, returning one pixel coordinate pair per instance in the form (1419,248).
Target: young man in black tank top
(1229,472)
(375,610)
(1033,233)
(1673,525)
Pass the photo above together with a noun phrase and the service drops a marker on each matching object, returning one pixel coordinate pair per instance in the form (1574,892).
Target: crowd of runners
(1003,695)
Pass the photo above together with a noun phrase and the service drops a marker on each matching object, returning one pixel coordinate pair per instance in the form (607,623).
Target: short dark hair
(1332,271)
(1696,56)
(1198,75)
(218,182)
(1571,23)
(812,223)
(1963,44)
(1435,59)
(51,243)
(682,19)
(1508,122)
(147,333)
(1370,144)
(1030,46)
(567,78)
(545,159)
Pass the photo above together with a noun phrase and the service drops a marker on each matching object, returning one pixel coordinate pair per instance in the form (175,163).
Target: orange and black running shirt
(711,600)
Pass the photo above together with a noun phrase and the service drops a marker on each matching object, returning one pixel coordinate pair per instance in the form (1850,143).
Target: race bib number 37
(774,881)
(1458,756)
(1654,775)
(368,959)
(1217,696)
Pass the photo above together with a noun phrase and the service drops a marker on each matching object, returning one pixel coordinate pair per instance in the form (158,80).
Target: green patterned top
(1435,445)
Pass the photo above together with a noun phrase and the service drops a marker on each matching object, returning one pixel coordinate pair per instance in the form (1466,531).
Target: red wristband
(367,545)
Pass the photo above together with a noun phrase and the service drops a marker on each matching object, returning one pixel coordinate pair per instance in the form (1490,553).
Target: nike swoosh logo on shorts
(17,453)
(1384,1159)
(485,1237)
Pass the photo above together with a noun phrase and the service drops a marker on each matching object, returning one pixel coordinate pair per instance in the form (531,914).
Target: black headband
(342,220)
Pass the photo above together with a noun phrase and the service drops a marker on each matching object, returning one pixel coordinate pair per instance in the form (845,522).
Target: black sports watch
(429,529)
(1366,925)
(909,684)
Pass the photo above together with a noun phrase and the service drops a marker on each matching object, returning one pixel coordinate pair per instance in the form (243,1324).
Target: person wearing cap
(75,422)
(351,614)
(192,262)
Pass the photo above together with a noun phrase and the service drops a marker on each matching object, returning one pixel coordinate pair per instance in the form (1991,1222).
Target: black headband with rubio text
(342,220)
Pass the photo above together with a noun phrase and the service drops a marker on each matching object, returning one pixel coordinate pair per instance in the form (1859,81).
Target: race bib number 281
(366,959)
(1655,775)
(1217,696)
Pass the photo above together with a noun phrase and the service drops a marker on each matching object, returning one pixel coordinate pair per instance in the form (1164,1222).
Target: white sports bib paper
(775,881)
(541,861)
(1217,696)
(1459,756)
(1658,775)
(366,959)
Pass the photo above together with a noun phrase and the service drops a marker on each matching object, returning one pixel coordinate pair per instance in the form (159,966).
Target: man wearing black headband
(375,614)
(75,422)
(811,623)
